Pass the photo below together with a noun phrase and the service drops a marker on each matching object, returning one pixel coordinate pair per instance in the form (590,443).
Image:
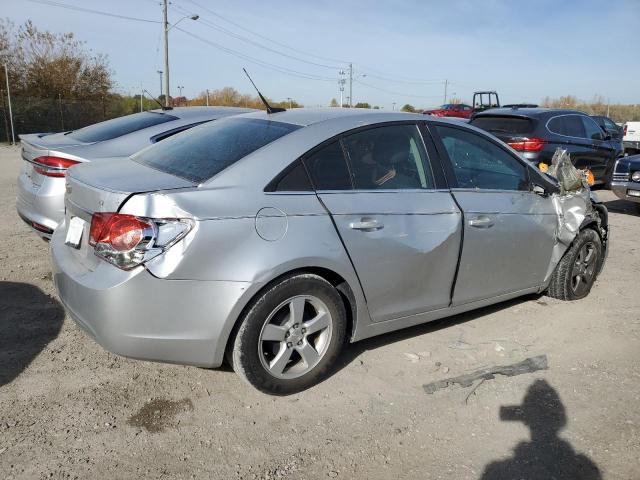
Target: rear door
(509,231)
(605,153)
(402,233)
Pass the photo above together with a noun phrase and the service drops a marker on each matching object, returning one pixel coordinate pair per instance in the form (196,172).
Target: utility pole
(341,82)
(446,83)
(180,87)
(350,85)
(166,51)
(6,76)
(160,75)
(141,95)
(289,99)
(207,97)
(394,106)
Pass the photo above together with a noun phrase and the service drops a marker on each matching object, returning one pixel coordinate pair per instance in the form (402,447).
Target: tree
(362,105)
(334,103)
(408,108)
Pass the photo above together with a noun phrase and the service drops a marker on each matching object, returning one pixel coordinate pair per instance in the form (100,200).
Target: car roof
(528,112)
(192,112)
(357,116)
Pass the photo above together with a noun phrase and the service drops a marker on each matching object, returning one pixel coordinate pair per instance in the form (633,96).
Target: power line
(401,94)
(265,37)
(89,10)
(256,61)
(219,28)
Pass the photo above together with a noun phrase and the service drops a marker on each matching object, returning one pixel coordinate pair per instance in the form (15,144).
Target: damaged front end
(577,208)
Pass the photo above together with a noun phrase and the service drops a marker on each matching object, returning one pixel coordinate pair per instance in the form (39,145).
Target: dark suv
(538,132)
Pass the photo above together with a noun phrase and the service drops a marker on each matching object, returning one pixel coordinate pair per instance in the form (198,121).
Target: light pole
(289,99)
(394,106)
(160,75)
(6,76)
(168,27)
(341,82)
(180,87)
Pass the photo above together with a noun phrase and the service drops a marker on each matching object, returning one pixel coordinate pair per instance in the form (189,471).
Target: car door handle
(366,225)
(481,221)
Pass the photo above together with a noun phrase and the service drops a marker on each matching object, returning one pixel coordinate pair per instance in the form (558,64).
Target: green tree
(334,103)
(408,108)
(362,105)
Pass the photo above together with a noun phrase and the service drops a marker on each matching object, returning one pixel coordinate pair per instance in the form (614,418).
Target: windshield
(511,125)
(117,127)
(202,152)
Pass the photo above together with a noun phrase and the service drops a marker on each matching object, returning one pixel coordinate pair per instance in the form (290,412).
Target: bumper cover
(43,204)
(137,315)
(621,190)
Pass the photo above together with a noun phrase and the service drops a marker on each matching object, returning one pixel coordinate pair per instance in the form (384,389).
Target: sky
(402,51)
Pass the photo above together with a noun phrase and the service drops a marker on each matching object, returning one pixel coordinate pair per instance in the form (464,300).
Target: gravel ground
(69,409)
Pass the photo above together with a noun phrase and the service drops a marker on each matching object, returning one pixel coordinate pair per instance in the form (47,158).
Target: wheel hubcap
(584,269)
(295,336)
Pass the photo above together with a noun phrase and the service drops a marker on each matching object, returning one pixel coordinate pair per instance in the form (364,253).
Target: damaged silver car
(272,239)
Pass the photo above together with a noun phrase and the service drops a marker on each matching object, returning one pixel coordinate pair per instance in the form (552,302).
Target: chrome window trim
(571,115)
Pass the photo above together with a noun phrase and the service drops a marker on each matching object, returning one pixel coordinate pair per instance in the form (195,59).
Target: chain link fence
(37,115)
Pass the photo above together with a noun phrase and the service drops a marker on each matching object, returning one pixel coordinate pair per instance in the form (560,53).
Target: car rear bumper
(630,144)
(134,314)
(41,206)
(622,189)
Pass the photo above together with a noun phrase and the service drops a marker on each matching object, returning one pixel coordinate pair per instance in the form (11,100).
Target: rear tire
(578,269)
(290,335)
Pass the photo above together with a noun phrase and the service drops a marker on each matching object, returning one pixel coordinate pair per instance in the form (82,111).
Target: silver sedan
(273,239)
(40,201)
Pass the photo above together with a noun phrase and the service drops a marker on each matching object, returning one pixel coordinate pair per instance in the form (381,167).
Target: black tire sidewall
(586,235)
(245,353)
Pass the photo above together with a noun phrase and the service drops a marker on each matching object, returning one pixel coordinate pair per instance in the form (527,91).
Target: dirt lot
(69,409)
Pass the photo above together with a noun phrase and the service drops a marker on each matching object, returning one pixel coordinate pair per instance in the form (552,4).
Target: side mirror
(538,190)
(607,137)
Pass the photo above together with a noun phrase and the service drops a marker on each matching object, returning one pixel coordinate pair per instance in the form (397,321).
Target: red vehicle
(459,110)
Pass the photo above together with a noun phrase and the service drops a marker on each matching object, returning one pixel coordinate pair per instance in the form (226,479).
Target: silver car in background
(40,201)
(273,239)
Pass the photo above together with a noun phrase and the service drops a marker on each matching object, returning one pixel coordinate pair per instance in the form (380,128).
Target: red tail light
(118,231)
(528,144)
(624,130)
(52,166)
(128,241)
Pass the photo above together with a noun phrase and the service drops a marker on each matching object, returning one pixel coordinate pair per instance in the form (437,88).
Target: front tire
(290,335)
(578,269)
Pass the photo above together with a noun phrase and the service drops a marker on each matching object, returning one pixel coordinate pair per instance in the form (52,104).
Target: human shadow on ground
(29,320)
(546,456)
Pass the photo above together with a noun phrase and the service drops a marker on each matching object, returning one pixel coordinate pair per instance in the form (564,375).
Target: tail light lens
(128,241)
(624,130)
(52,166)
(527,144)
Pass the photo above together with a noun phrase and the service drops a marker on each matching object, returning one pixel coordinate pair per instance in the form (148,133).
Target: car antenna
(156,100)
(270,109)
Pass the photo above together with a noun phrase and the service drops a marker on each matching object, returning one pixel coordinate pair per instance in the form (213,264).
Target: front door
(402,235)
(509,231)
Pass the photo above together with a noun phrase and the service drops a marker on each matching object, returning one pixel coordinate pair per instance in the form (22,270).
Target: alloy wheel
(584,269)
(295,336)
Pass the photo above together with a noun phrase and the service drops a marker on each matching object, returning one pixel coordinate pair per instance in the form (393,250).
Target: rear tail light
(528,144)
(624,130)
(52,166)
(128,241)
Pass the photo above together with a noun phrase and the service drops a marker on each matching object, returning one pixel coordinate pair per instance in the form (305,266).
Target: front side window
(388,158)
(567,125)
(479,163)
(593,131)
(117,127)
(204,151)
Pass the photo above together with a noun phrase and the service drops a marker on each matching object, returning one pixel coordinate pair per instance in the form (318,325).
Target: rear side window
(120,126)
(567,125)
(204,151)
(479,163)
(494,124)
(328,168)
(388,158)
(295,179)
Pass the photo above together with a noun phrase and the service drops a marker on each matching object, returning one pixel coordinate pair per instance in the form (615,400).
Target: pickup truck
(631,138)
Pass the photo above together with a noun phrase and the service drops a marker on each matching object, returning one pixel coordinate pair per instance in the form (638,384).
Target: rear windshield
(120,126)
(493,124)
(202,152)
